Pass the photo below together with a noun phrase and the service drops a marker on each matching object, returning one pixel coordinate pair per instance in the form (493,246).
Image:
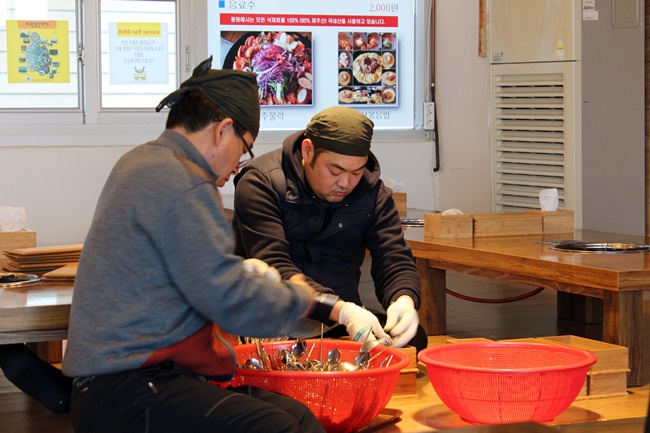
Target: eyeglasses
(243,162)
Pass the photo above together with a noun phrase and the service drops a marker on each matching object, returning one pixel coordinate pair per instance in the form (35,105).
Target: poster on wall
(367,68)
(138,53)
(282,62)
(309,56)
(37,51)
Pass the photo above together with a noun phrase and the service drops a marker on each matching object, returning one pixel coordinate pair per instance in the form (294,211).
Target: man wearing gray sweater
(159,288)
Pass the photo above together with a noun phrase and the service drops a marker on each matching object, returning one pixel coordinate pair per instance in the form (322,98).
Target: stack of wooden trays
(41,259)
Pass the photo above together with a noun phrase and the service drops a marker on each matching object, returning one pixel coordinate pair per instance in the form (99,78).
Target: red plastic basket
(499,383)
(342,401)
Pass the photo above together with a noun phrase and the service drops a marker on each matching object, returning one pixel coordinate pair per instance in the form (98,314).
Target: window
(50,72)
(138,46)
(38,54)
(110,62)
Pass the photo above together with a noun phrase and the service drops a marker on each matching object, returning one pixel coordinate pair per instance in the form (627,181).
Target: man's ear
(307,149)
(221,128)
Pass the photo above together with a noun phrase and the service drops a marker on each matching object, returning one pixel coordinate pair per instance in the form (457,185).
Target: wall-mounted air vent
(531,133)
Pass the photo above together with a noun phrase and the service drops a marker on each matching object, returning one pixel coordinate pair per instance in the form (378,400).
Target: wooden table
(35,312)
(618,279)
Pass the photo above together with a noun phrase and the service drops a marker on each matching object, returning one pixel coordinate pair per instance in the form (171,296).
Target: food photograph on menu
(282,62)
(367,68)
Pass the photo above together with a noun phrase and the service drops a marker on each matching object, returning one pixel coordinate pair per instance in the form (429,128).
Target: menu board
(308,56)
(281,60)
(367,68)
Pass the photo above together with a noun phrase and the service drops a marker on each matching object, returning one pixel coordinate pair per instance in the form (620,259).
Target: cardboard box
(584,392)
(507,224)
(437,225)
(524,340)
(452,340)
(599,382)
(400,201)
(607,383)
(412,354)
(407,382)
(436,340)
(610,357)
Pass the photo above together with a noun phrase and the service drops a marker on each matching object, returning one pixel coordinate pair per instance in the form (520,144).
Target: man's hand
(360,323)
(402,321)
(260,268)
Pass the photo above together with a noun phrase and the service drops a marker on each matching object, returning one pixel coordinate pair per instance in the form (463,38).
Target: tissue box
(559,221)
(12,240)
(400,201)
(507,224)
(437,225)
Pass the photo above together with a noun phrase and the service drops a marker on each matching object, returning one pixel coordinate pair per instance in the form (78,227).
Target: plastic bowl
(500,383)
(342,401)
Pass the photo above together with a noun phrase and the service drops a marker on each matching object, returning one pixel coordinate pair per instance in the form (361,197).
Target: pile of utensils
(299,358)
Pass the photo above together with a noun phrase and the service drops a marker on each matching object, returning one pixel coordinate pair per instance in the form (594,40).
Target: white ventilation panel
(533,133)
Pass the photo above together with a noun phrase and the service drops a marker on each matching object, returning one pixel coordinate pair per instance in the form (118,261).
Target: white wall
(462,92)
(58,186)
(57,173)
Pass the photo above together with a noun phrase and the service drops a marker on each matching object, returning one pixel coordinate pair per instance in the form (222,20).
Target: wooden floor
(532,317)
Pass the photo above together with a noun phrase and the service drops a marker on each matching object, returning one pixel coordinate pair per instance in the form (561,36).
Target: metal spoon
(348,366)
(284,359)
(361,360)
(253,364)
(299,348)
(369,345)
(333,358)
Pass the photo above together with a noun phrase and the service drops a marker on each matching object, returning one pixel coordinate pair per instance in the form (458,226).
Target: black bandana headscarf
(233,91)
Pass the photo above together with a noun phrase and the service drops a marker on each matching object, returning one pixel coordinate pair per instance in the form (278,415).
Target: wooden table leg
(582,309)
(48,351)
(433,311)
(623,325)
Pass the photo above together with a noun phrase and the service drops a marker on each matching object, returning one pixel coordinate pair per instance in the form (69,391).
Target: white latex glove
(402,321)
(360,323)
(256,266)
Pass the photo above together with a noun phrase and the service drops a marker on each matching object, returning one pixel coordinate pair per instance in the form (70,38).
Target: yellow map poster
(38,51)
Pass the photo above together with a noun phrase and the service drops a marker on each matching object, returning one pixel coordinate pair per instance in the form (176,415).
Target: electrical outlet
(429,116)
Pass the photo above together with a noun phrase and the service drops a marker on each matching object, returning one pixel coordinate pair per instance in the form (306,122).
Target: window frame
(90,111)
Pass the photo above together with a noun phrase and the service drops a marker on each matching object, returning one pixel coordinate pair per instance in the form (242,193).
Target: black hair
(195,112)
